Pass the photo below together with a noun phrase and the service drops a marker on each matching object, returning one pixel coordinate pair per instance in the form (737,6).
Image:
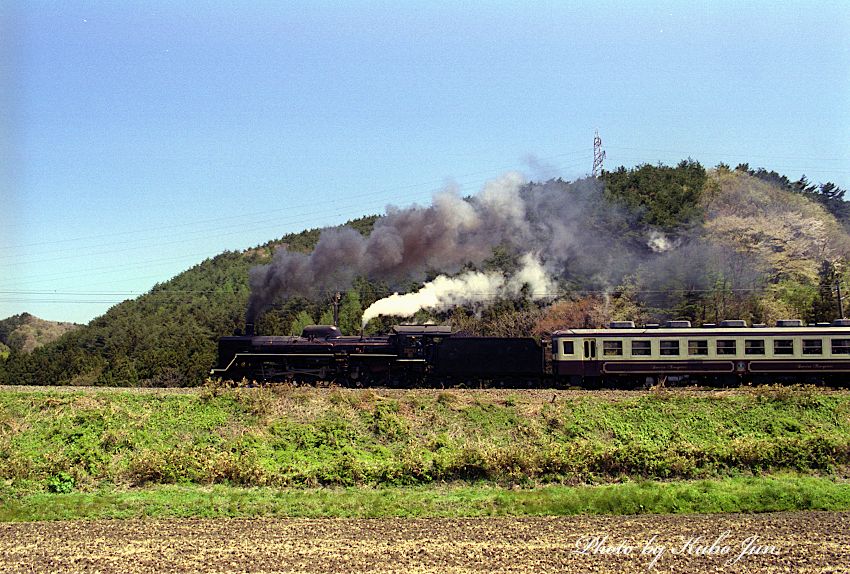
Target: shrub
(61,483)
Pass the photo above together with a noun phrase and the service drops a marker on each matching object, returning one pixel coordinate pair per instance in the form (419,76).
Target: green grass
(750,494)
(61,442)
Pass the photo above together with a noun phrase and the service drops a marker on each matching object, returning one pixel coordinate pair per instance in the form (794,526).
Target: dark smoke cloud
(403,244)
(583,237)
(567,226)
(697,265)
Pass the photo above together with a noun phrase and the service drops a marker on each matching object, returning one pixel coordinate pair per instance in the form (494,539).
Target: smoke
(440,294)
(291,273)
(539,169)
(659,242)
(404,244)
(569,226)
(471,287)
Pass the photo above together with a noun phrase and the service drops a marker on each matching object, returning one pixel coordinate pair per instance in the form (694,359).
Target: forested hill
(25,333)
(690,243)
(166,337)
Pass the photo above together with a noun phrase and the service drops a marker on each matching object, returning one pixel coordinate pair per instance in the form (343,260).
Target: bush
(61,483)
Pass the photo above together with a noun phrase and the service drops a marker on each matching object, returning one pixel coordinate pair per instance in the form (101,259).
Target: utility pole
(598,154)
(337,298)
(840,301)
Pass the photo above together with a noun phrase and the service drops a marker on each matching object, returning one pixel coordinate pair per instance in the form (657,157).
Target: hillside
(166,337)
(25,332)
(762,251)
(651,243)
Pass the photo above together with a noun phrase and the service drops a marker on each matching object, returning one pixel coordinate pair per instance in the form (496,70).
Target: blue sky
(140,138)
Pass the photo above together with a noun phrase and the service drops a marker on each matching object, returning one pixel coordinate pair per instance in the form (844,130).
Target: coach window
(783,347)
(612,348)
(698,347)
(812,347)
(841,346)
(568,348)
(754,347)
(669,347)
(641,348)
(727,347)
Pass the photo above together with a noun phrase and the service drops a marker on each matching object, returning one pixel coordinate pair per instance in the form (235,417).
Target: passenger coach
(728,353)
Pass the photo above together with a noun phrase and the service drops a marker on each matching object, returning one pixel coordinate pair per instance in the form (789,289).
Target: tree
(825,306)
(667,197)
(327,317)
(301,320)
(831,197)
(792,299)
(588,312)
(350,313)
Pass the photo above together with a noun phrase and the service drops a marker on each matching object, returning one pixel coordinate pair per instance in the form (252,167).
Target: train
(410,355)
(621,356)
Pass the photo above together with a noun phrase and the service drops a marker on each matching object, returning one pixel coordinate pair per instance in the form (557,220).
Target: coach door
(590,349)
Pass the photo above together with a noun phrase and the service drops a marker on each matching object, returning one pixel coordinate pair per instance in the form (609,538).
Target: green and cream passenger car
(729,353)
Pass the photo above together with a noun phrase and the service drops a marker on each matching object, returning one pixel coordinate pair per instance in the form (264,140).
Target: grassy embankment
(296,452)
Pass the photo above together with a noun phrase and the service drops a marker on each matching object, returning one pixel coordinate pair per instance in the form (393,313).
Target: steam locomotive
(622,356)
(410,355)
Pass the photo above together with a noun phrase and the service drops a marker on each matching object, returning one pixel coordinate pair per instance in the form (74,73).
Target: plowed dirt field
(781,542)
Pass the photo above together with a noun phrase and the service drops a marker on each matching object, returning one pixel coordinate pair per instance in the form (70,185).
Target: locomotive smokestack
(249,329)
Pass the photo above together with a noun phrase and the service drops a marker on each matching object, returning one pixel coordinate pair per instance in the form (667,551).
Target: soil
(779,542)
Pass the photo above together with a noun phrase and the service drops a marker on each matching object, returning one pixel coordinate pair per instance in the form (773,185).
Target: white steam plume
(404,243)
(471,287)
(659,242)
(570,225)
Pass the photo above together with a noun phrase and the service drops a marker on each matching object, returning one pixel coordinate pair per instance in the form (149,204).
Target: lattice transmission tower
(598,154)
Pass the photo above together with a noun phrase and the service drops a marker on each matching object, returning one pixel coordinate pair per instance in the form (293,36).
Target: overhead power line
(288,209)
(171,290)
(231,224)
(729,153)
(235,228)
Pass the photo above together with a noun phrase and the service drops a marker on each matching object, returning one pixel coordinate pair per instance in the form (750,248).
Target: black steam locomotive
(411,355)
(623,355)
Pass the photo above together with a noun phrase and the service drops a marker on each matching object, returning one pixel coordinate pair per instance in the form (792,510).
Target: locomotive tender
(623,355)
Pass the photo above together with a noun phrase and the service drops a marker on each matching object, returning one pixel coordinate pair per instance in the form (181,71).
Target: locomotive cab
(417,342)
